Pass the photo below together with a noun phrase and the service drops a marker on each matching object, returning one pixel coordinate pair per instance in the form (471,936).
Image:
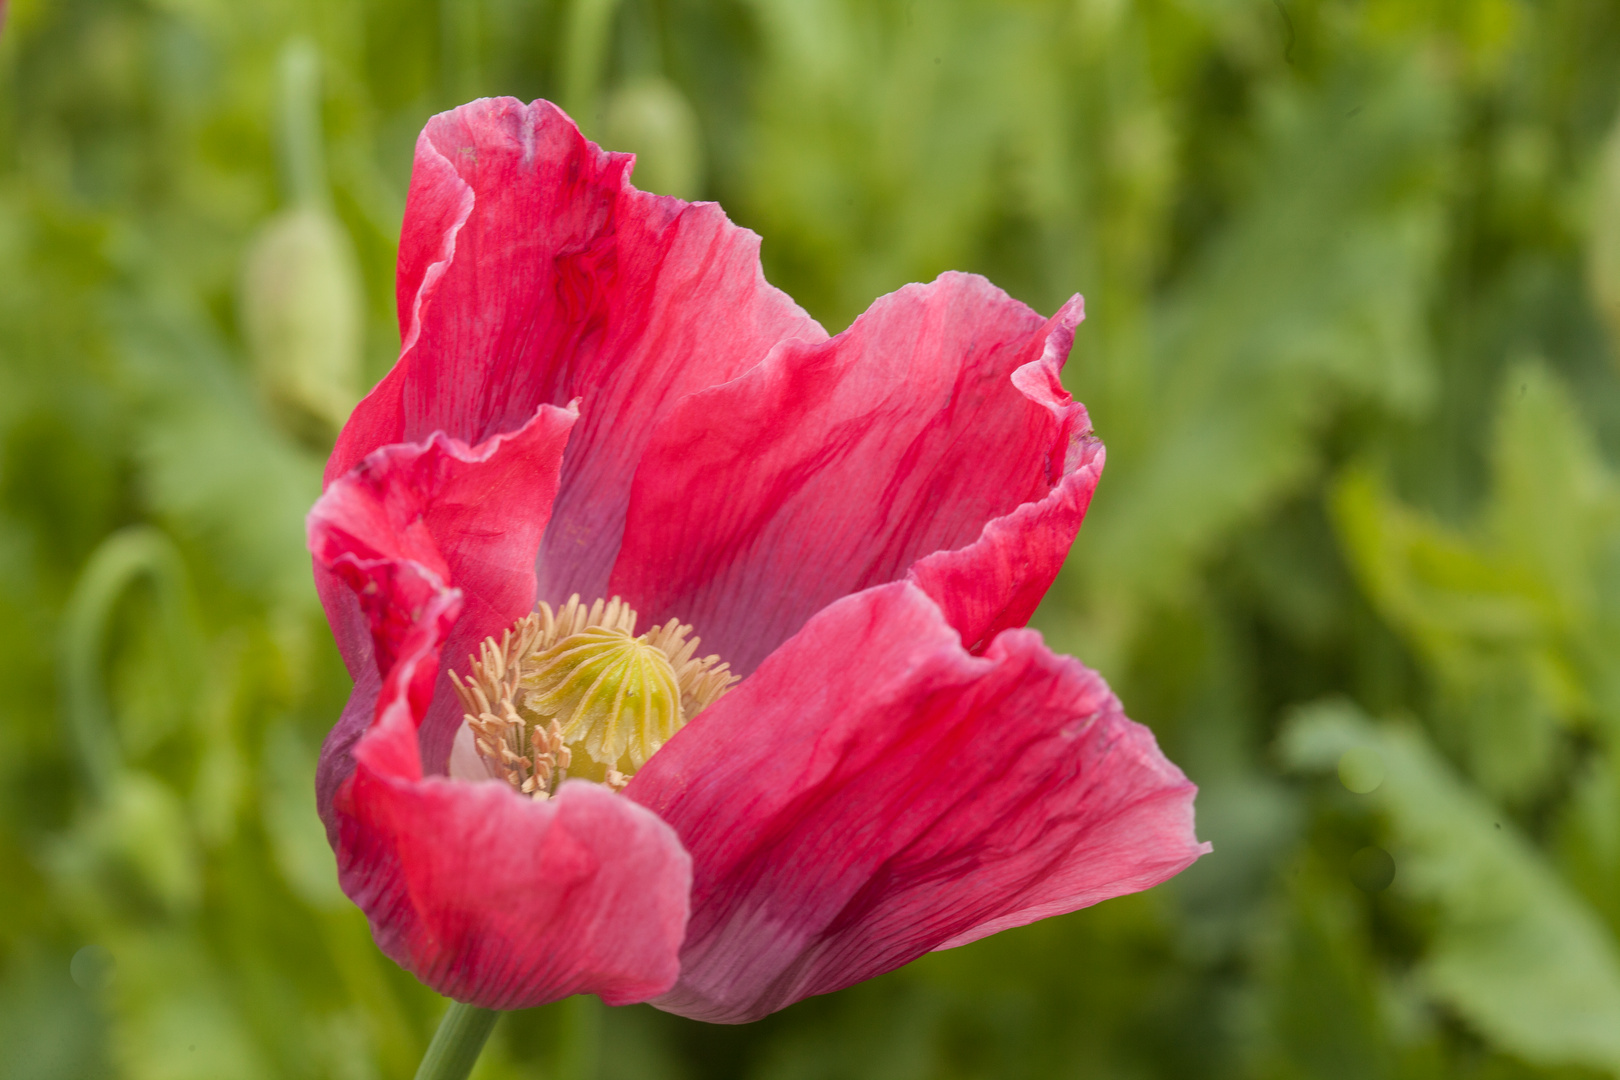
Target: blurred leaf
(101,743)
(223,773)
(132,853)
(1519,955)
(175,1015)
(296,833)
(50,1028)
(1588,837)
(1510,613)
(303,305)
(584,47)
(1479,623)
(1603,240)
(1324,1014)
(212,462)
(1310,298)
(888,141)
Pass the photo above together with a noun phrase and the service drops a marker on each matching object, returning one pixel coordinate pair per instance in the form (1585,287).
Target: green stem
(579,1040)
(303,155)
(587,34)
(122,559)
(456,1045)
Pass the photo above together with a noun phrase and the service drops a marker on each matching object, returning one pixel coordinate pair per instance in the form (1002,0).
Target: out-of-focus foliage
(1353,275)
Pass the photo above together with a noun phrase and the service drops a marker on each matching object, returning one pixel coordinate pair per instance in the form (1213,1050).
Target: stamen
(576,689)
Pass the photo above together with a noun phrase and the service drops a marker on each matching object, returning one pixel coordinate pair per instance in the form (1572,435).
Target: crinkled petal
(997,582)
(487,896)
(425,516)
(833,467)
(531,272)
(874,791)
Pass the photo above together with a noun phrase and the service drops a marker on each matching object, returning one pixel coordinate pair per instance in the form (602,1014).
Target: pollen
(578,692)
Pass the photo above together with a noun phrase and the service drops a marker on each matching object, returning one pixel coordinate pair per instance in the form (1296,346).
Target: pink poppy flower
(600,397)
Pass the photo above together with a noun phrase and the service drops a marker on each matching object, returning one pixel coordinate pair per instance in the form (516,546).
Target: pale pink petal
(466,763)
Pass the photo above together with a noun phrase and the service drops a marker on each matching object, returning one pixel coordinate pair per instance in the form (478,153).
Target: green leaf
(1310,296)
(1513,612)
(1515,951)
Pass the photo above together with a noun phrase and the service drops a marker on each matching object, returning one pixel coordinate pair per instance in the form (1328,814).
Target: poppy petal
(874,791)
(411,519)
(490,897)
(997,581)
(532,272)
(487,896)
(833,467)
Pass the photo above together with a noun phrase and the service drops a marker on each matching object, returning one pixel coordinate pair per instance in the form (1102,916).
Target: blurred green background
(1353,275)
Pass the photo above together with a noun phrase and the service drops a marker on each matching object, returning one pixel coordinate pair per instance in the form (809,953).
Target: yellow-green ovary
(615,696)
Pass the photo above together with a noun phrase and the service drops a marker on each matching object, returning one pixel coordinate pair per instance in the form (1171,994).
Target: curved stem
(122,559)
(456,1045)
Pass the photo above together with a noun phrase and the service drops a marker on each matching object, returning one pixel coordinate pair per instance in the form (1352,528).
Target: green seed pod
(617,697)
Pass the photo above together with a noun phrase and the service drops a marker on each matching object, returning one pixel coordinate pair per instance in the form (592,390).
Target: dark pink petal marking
(833,467)
(874,791)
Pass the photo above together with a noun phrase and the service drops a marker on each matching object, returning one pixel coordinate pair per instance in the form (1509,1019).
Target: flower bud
(653,120)
(302,308)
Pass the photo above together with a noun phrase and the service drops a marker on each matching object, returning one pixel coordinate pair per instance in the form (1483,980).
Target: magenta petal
(833,467)
(531,272)
(412,519)
(495,899)
(487,896)
(997,581)
(490,897)
(874,791)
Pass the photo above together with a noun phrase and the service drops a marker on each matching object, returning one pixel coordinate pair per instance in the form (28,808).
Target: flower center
(576,692)
(614,695)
